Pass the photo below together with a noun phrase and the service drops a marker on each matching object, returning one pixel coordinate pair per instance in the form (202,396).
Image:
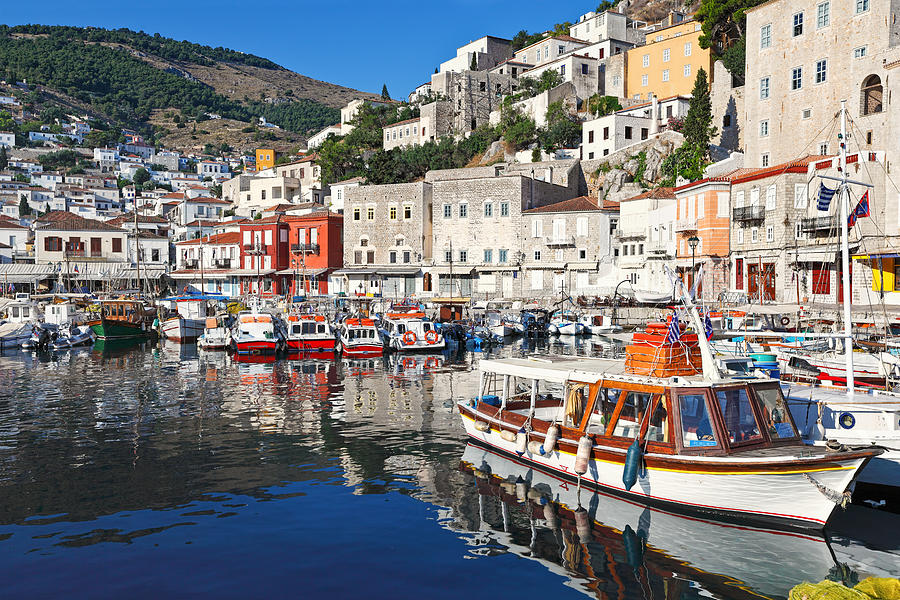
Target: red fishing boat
(361,338)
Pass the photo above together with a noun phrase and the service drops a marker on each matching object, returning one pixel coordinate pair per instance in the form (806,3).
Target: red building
(316,249)
(264,253)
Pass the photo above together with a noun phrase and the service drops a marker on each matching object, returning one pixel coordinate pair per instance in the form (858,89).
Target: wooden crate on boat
(653,355)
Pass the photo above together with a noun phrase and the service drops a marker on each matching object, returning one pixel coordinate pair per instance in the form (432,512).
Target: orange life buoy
(408,363)
(431,336)
(409,338)
(431,362)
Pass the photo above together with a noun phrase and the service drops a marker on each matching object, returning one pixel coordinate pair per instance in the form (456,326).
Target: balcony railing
(192,263)
(254,249)
(222,263)
(818,224)
(658,249)
(748,213)
(308,248)
(560,242)
(686,225)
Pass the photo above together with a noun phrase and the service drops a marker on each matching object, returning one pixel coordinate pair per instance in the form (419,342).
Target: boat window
(629,422)
(696,428)
(308,328)
(296,329)
(740,422)
(775,414)
(320,328)
(26,311)
(604,407)
(426,326)
(15,312)
(658,428)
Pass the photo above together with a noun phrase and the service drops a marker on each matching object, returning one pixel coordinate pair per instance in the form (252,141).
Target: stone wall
(727,106)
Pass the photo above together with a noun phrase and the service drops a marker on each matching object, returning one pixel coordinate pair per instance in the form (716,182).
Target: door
(507,284)
(840,283)
(752,282)
(559,282)
(95,247)
(769,281)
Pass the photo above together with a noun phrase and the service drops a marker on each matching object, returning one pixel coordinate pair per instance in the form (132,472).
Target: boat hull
(310,345)
(106,329)
(182,330)
(351,350)
(764,496)
(255,346)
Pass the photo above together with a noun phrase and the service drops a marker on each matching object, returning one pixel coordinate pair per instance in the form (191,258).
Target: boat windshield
(696,428)
(740,422)
(775,415)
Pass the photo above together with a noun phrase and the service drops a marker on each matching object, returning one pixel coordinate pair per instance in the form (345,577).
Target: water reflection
(146,459)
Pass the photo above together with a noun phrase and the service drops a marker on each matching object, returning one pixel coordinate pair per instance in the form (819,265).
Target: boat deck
(877,400)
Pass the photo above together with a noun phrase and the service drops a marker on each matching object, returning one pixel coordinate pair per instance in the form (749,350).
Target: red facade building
(264,252)
(316,249)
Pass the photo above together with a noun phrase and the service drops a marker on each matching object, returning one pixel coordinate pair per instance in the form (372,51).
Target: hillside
(129,78)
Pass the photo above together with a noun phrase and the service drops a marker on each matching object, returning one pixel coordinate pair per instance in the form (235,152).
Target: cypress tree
(698,129)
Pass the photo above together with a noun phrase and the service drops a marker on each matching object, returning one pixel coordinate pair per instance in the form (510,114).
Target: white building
(548,49)
(487,51)
(339,193)
(319,137)
(7,139)
(605,135)
(646,239)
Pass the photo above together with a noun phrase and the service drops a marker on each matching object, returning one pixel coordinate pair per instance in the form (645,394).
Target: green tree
(473,66)
(216,190)
(723,25)
(4,159)
(605,6)
(141,176)
(24,208)
(698,129)
(561,131)
(517,128)
(384,93)
(600,106)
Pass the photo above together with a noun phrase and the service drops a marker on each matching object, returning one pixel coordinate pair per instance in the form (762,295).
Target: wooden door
(768,281)
(752,282)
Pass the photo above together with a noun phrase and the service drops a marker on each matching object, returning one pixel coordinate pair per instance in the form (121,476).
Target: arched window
(872,93)
(426,283)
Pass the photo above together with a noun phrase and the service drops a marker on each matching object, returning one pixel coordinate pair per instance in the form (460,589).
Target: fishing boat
(360,338)
(189,320)
(664,427)
(216,333)
(406,330)
(310,333)
(499,325)
(122,319)
(256,332)
(599,324)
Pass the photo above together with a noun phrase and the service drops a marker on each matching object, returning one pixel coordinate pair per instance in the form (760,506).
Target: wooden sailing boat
(664,427)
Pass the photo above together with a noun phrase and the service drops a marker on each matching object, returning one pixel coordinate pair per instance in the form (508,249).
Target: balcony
(819,224)
(254,249)
(305,248)
(192,263)
(748,213)
(560,242)
(222,263)
(634,234)
(686,225)
(658,249)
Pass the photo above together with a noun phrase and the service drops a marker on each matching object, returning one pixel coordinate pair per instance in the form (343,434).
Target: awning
(195,275)
(354,272)
(494,268)
(381,270)
(824,254)
(553,266)
(591,266)
(301,273)
(251,272)
(766,309)
(874,256)
(457,270)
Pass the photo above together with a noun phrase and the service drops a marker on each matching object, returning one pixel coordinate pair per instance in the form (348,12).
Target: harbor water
(164,471)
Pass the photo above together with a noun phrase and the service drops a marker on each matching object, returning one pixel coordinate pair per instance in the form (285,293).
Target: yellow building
(265,158)
(667,64)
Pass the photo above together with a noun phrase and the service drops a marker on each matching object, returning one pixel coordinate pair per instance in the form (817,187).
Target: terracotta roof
(66,221)
(231,237)
(401,122)
(202,223)
(276,218)
(302,159)
(129,218)
(175,195)
(660,192)
(207,200)
(9,223)
(794,166)
(579,204)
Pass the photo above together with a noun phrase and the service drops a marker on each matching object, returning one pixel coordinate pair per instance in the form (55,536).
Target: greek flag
(825,195)
(708,326)
(674,333)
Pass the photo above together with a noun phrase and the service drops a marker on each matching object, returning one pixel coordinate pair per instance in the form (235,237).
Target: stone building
(567,247)
(597,27)
(472,96)
(487,51)
(579,69)
(387,239)
(435,120)
(803,58)
(478,226)
(645,239)
(726,95)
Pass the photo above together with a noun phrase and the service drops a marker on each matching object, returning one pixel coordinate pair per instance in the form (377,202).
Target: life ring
(409,338)
(408,363)
(431,336)
(785,321)
(431,362)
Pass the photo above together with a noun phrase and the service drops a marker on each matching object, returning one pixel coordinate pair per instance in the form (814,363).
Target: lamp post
(693,241)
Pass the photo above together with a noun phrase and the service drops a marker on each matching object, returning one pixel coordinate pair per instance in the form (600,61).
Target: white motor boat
(216,333)
(565,323)
(22,315)
(359,338)
(406,329)
(498,324)
(188,323)
(71,335)
(256,332)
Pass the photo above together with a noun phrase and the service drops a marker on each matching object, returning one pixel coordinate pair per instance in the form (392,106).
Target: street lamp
(693,241)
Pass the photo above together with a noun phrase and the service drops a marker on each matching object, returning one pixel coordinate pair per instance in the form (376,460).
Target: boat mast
(202,278)
(844,200)
(137,243)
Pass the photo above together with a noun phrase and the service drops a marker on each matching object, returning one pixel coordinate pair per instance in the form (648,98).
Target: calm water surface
(164,472)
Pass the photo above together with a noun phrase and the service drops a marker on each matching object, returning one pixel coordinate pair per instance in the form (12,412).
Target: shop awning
(301,273)
(460,270)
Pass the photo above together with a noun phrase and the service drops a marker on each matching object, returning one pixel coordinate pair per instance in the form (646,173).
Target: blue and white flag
(674,332)
(825,196)
(708,326)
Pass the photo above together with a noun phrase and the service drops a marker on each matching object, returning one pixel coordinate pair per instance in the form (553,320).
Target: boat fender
(550,439)
(507,435)
(521,441)
(521,490)
(635,544)
(482,426)
(583,524)
(535,447)
(816,431)
(583,455)
(550,516)
(632,465)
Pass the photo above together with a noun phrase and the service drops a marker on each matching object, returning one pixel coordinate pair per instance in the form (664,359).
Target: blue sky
(357,44)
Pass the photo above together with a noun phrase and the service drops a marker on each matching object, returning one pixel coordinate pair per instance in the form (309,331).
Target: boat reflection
(609,547)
